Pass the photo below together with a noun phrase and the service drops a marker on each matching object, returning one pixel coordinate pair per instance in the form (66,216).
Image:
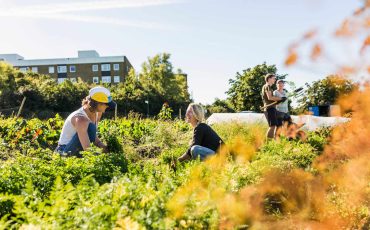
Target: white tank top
(68,130)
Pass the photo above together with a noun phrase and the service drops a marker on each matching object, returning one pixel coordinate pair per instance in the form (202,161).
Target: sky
(209,40)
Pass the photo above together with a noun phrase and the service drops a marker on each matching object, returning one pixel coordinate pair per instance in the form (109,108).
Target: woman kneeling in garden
(79,129)
(205,141)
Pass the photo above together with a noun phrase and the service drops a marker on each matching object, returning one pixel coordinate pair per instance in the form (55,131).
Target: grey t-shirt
(282,107)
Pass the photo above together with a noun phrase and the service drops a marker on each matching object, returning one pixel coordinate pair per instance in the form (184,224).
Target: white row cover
(312,122)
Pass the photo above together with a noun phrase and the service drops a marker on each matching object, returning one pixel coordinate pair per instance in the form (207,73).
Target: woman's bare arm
(81,124)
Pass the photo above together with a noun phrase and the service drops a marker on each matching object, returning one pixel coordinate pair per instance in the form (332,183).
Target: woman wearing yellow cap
(79,129)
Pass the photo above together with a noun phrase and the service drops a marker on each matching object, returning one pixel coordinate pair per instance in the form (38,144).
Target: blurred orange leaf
(291,59)
(309,34)
(367,22)
(344,29)
(365,44)
(359,11)
(316,51)
(367,41)
(346,70)
(368,69)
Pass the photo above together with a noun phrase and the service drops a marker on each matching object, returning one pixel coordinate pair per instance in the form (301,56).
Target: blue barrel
(314,110)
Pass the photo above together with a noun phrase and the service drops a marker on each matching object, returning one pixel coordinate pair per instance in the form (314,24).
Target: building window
(35,69)
(72,68)
(72,79)
(62,69)
(95,79)
(106,79)
(116,79)
(51,69)
(95,68)
(115,66)
(105,67)
(23,69)
(61,80)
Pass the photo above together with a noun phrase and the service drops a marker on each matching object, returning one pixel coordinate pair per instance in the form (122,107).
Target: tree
(9,84)
(326,91)
(130,95)
(162,84)
(245,91)
(157,83)
(219,106)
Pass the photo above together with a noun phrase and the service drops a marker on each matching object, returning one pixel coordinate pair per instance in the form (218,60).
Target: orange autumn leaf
(291,59)
(368,69)
(344,29)
(367,41)
(316,51)
(359,11)
(365,44)
(346,70)
(367,22)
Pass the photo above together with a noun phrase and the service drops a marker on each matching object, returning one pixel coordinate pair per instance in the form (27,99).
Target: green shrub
(300,154)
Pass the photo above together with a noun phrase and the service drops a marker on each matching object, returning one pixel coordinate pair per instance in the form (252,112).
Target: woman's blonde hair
(198,111)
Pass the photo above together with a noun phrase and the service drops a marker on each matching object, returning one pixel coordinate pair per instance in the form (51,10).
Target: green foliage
(165,113)
(157,83)
(157,75)
(245,90)
(132,184)
(162,84)
(319,138)
(299,154)
(219,106)
(326,92)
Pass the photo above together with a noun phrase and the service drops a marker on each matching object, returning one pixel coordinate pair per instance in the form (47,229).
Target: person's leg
(271,118)
(74,146)
(60,149)
(271,132)
(91,131)
(201,152)
(288,118)
(279,124)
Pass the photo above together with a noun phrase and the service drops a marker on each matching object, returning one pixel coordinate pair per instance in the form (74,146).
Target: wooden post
(180,113)
(21,107)
(115,113)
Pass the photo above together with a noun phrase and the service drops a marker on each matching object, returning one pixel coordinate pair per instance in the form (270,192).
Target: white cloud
(60,11)
(104,20)
(83,6)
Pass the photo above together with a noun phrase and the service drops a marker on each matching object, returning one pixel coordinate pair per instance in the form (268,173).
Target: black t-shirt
(267,88)
(205,136)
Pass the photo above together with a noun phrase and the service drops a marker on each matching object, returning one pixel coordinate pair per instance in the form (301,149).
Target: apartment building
(89,66)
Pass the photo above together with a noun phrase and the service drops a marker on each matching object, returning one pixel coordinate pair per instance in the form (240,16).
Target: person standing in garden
(269,105)
(79,129)
(282,108)
(205,140)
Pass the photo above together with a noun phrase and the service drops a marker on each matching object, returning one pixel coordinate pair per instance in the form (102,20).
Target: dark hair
(268,76)
(93,105)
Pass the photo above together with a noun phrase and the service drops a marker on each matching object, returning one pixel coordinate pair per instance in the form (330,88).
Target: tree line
(244,93)
(142,92)
(157,83)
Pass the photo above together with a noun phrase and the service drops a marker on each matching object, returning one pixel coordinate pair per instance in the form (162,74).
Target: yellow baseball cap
(102,95)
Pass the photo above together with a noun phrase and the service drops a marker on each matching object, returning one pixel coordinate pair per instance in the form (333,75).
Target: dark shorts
(271,116)
(284,117)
